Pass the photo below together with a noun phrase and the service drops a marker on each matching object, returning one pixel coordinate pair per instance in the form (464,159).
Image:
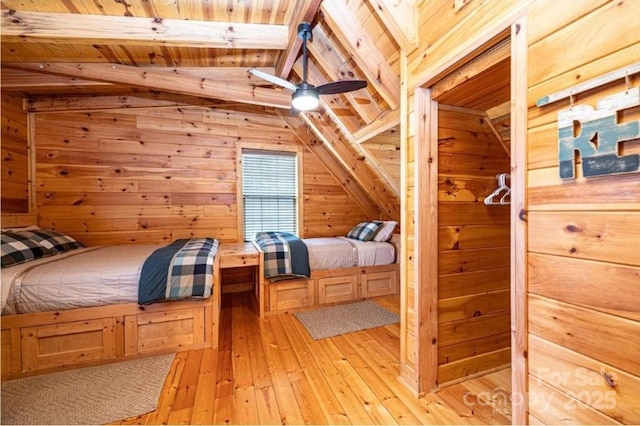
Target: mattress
(342,252)
(85,277)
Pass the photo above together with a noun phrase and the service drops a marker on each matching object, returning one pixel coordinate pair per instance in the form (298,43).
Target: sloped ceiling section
(120,54)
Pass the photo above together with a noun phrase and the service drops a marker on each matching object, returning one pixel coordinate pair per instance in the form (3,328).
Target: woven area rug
(341,319)
(90,395)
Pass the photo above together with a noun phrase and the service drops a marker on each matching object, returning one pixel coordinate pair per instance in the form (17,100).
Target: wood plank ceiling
(198,52)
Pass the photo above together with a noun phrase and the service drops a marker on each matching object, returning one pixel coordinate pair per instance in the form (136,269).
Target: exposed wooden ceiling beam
(305,11)
(505,144)
(350,32)
(233,75)
(95,103)
(22,80)
(401,18)
(382,123)
(327,56)
(315,143)
(499,112)
(173,81)
(27,26)
(389,188)
(355,163)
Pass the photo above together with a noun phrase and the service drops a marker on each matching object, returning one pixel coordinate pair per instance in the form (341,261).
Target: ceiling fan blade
(341,86)
(273,79)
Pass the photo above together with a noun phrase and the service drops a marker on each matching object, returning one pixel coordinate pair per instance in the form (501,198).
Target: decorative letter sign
(595,134)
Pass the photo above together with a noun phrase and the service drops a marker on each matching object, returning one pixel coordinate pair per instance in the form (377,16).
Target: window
(269,192)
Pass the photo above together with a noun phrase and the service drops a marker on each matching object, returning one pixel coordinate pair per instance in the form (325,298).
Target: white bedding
(342,252)
(99,276)
(80,278)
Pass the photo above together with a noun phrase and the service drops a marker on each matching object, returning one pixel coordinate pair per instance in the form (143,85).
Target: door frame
(426,199)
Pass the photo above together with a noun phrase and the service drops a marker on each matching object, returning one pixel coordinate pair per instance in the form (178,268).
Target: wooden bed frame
(329,287)
(58,340)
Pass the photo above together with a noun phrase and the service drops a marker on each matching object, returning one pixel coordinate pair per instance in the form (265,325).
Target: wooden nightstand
(242,255)
(234,255)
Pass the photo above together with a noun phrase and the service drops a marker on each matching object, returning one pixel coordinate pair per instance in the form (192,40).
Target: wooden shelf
(234,255)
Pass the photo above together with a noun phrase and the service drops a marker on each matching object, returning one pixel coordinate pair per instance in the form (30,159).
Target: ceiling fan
(306,96)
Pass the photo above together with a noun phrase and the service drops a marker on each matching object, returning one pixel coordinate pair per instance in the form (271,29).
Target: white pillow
(385,231)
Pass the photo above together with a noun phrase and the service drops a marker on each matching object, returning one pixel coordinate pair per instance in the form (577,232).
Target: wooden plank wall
(443,32)
(154,175)
(584,260)
(473,249)
(583,257)
(385,148)
(15,160)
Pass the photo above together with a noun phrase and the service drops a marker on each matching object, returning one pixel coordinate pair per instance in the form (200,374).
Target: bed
(83,306)
(321,271)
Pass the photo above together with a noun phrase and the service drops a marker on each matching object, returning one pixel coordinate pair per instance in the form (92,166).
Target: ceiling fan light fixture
(305,99)
(307,96)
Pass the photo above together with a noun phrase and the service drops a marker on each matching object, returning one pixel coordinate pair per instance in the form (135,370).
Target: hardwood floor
(271,371)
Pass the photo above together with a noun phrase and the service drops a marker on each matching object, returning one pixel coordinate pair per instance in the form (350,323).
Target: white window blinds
(269,192)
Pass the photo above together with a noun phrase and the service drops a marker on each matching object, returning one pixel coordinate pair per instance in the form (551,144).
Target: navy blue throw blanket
(285,255)
(180,270)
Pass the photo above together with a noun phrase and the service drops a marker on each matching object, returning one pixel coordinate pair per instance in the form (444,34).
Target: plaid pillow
(18,248)
(364,231)
(52,240)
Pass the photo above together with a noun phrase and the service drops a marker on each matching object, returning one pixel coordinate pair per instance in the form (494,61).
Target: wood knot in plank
(573,229)
(609,380)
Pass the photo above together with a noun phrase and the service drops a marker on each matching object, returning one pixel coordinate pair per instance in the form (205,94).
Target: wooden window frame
(240,146)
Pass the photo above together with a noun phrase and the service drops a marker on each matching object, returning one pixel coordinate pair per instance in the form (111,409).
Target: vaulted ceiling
(125,53)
